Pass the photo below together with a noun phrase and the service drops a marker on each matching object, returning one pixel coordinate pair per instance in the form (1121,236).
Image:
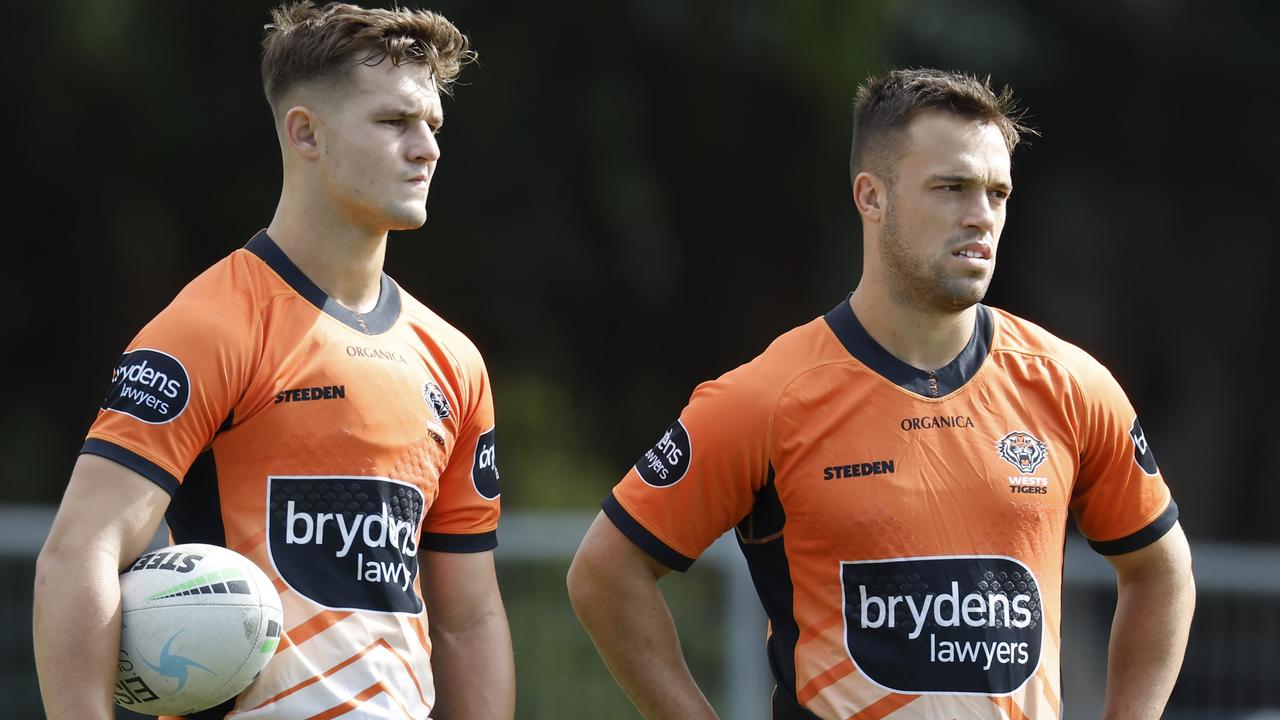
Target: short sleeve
(464,515)
(701,476)
(1120,501)
(175,385)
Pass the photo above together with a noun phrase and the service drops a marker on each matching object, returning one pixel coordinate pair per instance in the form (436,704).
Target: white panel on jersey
(379,664)
(928,707)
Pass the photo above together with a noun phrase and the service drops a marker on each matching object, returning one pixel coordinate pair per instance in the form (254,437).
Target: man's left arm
(1156,596)
(471,654)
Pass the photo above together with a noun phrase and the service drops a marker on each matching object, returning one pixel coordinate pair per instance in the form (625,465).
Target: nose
(981,213)
(423,146)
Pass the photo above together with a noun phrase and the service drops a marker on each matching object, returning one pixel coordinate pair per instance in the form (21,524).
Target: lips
(975,250)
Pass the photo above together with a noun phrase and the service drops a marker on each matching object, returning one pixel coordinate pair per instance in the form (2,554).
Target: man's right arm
(613,586)
(107,517)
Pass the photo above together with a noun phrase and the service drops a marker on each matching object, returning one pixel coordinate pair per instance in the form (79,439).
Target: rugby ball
(199,622)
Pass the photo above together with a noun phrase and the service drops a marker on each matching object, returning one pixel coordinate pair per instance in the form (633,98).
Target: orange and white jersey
(904,529)
(338,444)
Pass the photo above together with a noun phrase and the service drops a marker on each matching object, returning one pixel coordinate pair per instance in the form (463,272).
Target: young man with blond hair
(900,471)
(302,385)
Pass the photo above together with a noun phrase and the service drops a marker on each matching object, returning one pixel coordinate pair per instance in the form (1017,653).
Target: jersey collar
(950,378)
(374,322)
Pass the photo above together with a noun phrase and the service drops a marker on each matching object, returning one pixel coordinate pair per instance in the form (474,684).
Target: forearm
(1148,639)
(632,629)
(109,512)
(76,626)
(474,670)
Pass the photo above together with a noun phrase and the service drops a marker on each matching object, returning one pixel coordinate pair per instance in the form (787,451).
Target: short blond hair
(305,43)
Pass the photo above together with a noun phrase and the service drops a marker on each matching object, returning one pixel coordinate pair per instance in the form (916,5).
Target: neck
(342,259)
(922,339)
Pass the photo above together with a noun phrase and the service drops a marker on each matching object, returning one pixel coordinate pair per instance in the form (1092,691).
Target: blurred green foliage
(637,196)
(562,674)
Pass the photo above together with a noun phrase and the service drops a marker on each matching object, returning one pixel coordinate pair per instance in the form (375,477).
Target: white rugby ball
(199,623)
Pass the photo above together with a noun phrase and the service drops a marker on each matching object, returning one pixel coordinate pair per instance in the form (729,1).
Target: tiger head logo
(1022,450)
(436,400)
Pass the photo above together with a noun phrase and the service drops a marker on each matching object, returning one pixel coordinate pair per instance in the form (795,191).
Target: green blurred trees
(637,196)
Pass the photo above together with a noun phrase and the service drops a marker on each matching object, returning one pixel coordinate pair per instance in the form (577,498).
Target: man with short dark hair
(294,385)
(900,471)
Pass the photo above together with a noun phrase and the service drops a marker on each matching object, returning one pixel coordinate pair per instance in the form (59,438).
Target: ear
(300,132)
(870,195)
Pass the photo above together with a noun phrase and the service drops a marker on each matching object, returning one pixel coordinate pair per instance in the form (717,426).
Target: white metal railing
(1249,574)
(746,677)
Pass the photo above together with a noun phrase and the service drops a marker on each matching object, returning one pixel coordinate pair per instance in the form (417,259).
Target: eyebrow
(403,111)
(954,179)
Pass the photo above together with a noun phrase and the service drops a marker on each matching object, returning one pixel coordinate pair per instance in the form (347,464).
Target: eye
(393,122)
(1000,195)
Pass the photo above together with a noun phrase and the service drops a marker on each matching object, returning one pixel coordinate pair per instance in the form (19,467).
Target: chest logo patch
(960,624)
(1022,450)
(347,543)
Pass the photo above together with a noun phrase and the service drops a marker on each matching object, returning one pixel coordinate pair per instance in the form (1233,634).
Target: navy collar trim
(375,322)
(948,379)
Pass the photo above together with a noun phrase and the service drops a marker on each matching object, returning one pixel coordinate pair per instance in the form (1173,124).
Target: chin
(969,299)
(954,297)
(407,220)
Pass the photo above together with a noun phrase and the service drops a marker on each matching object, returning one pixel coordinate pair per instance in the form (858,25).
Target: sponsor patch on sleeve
(666,463)
(1142,450)
(149,385)
(484,468)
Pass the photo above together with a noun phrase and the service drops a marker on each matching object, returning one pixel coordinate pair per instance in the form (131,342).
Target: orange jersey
(339,444)
(904,529)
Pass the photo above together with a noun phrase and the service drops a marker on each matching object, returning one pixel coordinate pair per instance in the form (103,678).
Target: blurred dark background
(638,195)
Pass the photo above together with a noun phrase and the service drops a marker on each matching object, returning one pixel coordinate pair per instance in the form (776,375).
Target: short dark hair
(305,43)
(886,104)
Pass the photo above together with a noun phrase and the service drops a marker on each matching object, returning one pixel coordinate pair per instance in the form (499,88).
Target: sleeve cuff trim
(456,543)
(133,461)
(644,539)
(1155,530)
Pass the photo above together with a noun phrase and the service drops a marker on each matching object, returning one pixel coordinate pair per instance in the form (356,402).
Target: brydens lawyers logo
(1022,450)
(1142,450)
(347,543)
(668,461)
(149,385)
(959,624)
(484,466)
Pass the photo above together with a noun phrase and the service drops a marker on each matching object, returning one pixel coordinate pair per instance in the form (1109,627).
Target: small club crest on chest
(438,407)
(436,401)
(1024,451)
